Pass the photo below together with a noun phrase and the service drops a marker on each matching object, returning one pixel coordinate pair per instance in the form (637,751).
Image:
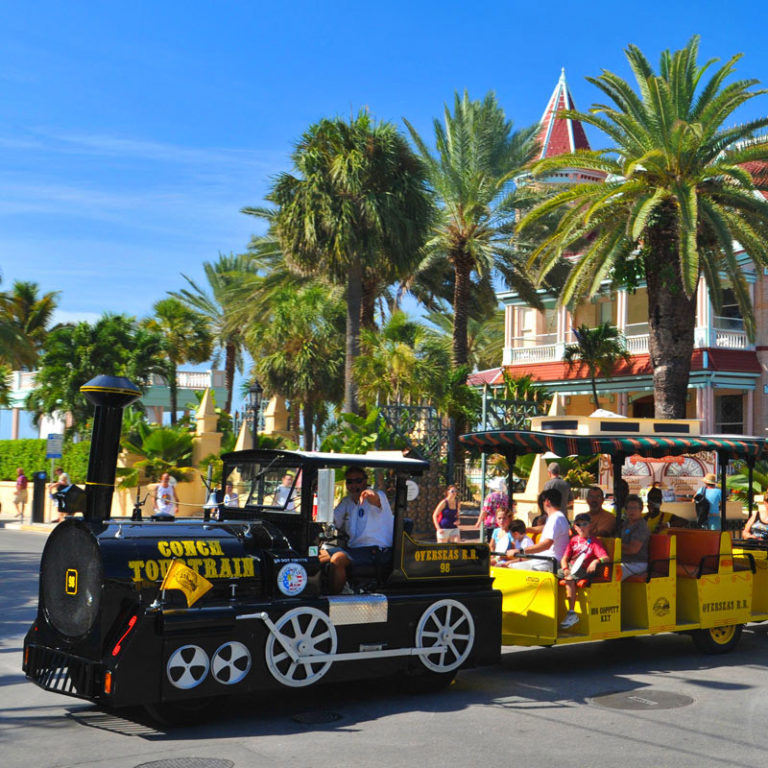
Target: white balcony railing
(24,381)
(546,353)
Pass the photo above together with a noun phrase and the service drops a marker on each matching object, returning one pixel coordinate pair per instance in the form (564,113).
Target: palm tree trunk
(309,418)
(354,302)
(594,392)
(368,307)
(671,322)
(462,265)
(173,391)
(229,374)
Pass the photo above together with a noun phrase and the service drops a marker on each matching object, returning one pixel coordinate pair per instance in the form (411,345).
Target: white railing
(730,339)
(637,345)
(546,353)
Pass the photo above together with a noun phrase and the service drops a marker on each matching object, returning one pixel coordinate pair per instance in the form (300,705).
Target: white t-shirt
(282,494)
(165,502)
(557,529)
(366,524)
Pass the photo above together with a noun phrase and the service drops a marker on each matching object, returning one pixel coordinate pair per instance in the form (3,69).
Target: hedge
(30,454)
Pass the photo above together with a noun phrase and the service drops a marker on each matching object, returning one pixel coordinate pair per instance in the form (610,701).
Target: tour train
(171,614)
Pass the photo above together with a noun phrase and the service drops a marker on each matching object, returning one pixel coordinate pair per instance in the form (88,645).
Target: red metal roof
(559,135)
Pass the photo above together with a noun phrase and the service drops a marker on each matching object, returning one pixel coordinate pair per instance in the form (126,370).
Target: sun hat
(710,479)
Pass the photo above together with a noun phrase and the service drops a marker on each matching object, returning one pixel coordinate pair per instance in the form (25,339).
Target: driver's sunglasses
(355,480)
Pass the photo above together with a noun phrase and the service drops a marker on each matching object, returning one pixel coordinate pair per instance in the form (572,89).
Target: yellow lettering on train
(210,568)
(225,569)
(195,563)
(203,548)
(189,548)
(215,548)
(163,548)
(136,566)
(177,548)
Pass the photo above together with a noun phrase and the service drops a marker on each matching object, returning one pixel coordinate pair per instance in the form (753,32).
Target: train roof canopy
(521,442)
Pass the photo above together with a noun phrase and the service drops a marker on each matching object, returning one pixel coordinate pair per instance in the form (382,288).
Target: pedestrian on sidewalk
(20,497)
(446,516)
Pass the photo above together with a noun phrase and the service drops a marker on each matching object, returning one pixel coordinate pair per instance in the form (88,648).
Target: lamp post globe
(255,393)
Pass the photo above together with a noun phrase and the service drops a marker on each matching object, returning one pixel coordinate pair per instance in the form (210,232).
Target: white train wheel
(187,667)
(447,625)
(307,632)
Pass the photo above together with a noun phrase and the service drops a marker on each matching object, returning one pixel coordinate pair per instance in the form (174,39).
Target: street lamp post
(255,393)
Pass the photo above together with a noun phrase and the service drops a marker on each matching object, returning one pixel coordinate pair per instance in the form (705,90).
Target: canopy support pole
(617,460)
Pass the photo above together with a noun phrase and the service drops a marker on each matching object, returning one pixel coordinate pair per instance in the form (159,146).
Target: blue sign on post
(53,446)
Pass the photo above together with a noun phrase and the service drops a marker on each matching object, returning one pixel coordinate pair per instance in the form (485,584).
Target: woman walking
(446,516)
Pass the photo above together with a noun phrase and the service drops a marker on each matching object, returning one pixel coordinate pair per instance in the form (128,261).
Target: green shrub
(30,454)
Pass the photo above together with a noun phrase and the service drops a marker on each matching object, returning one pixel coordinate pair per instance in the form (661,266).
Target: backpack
(701,502)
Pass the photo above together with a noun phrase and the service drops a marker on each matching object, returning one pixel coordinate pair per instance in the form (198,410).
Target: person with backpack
(20,497)
(711,494)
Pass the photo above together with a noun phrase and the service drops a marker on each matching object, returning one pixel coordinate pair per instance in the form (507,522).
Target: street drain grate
(317,717)
(188,762)
(641,700)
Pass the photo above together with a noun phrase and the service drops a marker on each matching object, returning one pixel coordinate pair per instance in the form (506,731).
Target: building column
(749,415)
(622,403)
(511,324)
(705,409)
(621,311)
(704,335)
(15,423)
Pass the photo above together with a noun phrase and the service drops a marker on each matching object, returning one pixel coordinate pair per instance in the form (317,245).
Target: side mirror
(326,479)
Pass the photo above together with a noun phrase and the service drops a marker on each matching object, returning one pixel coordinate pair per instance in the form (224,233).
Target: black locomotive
(161,613)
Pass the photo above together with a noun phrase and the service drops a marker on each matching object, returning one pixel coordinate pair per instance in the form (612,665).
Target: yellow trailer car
(701,582)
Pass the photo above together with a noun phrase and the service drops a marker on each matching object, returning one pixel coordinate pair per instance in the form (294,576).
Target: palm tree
(404,362)
(599,349)
(679,192)
(186,339)
(220,310)
(485,335)
(24,320)
(300,350)
(356,207)
(478,155)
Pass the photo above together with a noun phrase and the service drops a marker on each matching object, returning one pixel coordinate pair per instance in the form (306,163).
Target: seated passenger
(553,539)
(284,494)
(510,534)
(580,561)
(365,515)
(634,539)
(757,525)
(603,522)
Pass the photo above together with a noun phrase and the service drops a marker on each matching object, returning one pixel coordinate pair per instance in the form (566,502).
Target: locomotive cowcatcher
(146,612)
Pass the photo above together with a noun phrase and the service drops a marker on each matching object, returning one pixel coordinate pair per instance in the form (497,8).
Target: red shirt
(578,545)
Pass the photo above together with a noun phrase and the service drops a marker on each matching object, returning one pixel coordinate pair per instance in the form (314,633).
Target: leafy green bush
(30,454)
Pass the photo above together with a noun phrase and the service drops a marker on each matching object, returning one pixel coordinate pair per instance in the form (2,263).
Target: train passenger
(635,537)
(603,522)
(714,496)
(757,525)
(284,494)
(231,496)
(511,534)
(553,539)
(581,558)
(497,499)
(445,518)
(365,515)
(166,500)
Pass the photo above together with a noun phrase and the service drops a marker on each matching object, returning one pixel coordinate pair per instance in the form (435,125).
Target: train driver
(365,515)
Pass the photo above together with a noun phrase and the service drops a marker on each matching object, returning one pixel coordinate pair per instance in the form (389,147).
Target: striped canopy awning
(734,446)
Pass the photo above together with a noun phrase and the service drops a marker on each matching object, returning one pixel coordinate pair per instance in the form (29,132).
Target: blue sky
(131,134)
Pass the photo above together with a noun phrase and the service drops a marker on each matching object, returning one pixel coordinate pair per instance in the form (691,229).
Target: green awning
(735,447)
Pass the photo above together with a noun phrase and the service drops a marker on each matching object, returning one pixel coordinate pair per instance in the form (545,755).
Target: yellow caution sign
(191,583)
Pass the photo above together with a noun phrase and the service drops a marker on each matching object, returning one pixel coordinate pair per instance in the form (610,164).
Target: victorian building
(728,387)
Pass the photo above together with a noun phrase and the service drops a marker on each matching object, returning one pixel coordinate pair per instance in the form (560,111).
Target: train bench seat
(659,560)
(698,552)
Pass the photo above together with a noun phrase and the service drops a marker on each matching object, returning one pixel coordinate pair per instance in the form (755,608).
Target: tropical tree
(217,304)
(162,449)
(680,189)
(485,335)
(404,362)
(24,320)
(74,354)
(599,350)
(478,155)
(300,350)
(356,206)
(185,339)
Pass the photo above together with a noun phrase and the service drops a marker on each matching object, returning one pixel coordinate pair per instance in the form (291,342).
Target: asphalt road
(541,707)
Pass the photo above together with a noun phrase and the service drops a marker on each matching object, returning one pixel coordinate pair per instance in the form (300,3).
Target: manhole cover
(316,718)
(642,700)
(188,762)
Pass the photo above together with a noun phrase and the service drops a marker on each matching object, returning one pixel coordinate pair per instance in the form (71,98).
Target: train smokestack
(110,395)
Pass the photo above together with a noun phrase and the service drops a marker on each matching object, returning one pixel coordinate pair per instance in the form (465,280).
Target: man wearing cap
(714,496)
(556,481)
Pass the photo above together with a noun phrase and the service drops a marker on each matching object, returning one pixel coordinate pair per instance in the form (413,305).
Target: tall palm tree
(478,155)
(599,349)
(25,316)
(300,350)
(680,189)
(186,339)
(485,335)
(357,206)
(218,306)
